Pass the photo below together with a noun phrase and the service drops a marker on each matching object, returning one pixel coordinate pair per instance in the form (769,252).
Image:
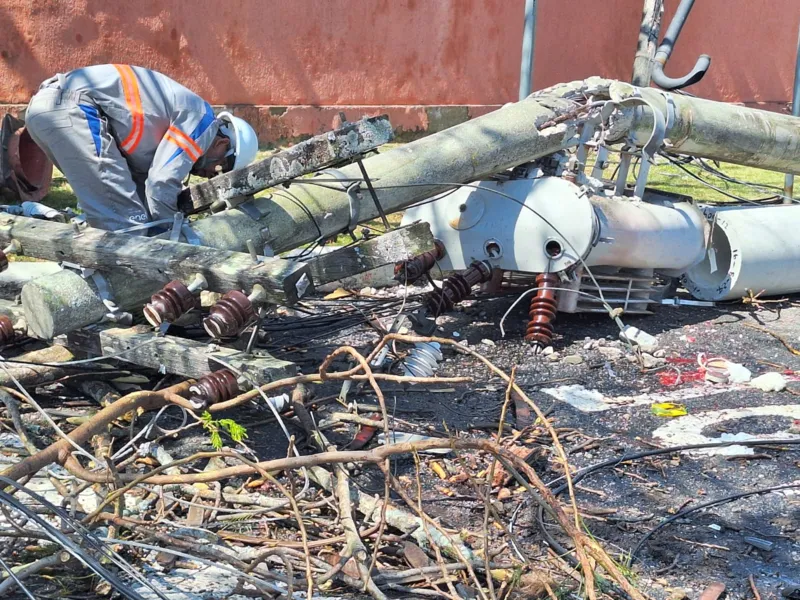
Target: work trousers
(74,133)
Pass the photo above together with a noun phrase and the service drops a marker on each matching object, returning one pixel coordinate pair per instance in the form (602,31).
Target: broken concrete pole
(709,129)
(515,134)
(652,11)
(345,143)
(389,248)
(20,273)
(62,302)
(157,260)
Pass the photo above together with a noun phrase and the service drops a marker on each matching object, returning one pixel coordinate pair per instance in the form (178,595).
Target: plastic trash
(668,409)
(640,338)
(769,382)
(721,370)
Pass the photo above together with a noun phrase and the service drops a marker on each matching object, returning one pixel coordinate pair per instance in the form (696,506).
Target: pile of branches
(222,508)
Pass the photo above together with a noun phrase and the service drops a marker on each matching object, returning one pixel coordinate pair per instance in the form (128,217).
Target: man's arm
(188,137)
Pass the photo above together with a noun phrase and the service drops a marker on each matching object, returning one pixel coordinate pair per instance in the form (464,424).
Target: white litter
(769,382)
(640,338)
(688,430)
(579,397)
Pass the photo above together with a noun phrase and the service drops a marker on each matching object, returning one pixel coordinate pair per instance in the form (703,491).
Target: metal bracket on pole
(353,191)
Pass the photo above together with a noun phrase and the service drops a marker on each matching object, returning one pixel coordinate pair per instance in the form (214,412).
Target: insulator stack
(542,312)
(218,386)
(230,315)
(169,304)
(457,287)
(408,271)
(423,360)
(7,333)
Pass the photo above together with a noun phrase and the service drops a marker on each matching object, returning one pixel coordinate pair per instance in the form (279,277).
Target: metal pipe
(788,182)
(528,48)
(648,41)
(665,50)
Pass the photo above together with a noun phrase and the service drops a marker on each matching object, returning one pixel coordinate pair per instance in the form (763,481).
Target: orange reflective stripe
(178,133)
(133,99)
(180,144)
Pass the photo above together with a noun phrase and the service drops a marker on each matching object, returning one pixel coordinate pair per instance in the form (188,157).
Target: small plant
(213,427)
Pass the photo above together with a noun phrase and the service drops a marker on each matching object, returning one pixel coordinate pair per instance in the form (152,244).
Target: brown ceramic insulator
(7,333)
(542,312)
(3,261)
(457,287)
(214,387)
(169,304)
(230,315)
(408,271)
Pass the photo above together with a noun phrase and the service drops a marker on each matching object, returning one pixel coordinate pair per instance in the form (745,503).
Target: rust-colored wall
(378,53)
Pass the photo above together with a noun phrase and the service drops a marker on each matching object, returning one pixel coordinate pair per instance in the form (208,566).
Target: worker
(127,138)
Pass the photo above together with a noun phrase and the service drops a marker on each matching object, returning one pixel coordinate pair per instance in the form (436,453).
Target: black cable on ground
(58,537)
(583,473)
(710,503)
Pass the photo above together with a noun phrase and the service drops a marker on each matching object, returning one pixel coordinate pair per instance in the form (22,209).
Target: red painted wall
(377,53)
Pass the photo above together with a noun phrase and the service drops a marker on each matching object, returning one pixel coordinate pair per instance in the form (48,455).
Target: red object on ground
(672,377)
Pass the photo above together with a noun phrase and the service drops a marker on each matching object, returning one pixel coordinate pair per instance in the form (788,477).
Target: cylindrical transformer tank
(656,234)
(751,247)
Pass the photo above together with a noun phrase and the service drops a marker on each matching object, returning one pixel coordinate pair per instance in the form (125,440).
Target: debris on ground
(192,411)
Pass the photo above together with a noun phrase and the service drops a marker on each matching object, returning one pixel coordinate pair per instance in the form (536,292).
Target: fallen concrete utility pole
(544,123)
(709,129)
(59,303)
(540,125)
(348,142)
(156,260)
(373,253)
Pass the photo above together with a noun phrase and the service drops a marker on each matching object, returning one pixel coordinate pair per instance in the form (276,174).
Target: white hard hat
(244,141)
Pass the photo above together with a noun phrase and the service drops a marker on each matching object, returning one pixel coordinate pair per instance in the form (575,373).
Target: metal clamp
(353,191)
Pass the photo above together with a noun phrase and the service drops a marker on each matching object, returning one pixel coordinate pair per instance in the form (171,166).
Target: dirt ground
(624,502)
(620,503)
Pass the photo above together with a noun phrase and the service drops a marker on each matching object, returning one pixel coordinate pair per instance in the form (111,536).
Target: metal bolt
(14,247)
(251,247)
(199,283)
(258,295)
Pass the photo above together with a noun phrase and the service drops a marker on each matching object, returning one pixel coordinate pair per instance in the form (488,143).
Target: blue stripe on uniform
(93,118)
(206,122)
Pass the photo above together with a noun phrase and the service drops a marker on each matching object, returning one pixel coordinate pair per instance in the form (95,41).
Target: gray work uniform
(125,138)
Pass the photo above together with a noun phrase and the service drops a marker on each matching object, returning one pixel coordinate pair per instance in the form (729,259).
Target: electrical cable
(583,473)
(16,579)
(756,202)
(68,545)
(86,536)
(710,503)
(258,583)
